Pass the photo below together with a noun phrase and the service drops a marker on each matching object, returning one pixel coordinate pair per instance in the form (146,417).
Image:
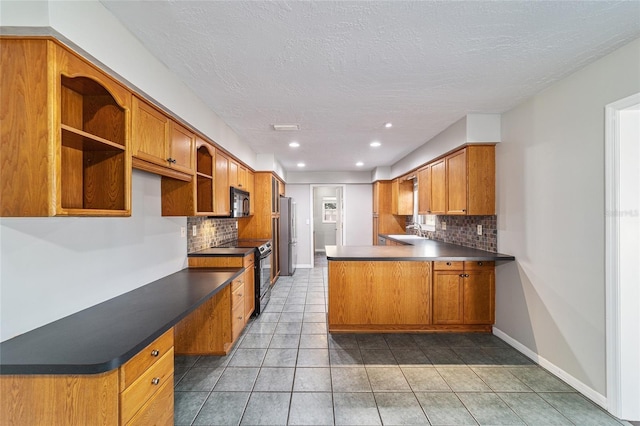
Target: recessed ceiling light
(301,164)
(286,127)
(294,144)
(388,125)
(359,164)
(375,144)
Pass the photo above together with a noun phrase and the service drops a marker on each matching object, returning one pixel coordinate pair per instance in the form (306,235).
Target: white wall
(53,267)
(300,193)
(324,233)
(328,177)
(358,217)
(450,138)
(550,207)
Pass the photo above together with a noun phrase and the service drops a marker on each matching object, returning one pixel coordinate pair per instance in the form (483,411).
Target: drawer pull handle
(479,263)
(172,160)
(448,263)
(155,352)
(155,381)
(461,275)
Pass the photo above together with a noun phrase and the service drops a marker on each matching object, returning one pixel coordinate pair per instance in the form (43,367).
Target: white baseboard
(585,390)
(304,266)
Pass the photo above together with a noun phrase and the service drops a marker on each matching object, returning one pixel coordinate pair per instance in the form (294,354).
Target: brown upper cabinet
(205,171)
(438,188)
(402,197)
(461,183)
(384,222)
(64,132)
(424,190)
(160,145)
(222,195)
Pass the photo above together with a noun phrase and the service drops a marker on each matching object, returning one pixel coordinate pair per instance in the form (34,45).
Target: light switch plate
(183,231)
(479,229)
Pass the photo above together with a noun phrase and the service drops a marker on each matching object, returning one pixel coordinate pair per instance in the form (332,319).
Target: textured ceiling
(342,69)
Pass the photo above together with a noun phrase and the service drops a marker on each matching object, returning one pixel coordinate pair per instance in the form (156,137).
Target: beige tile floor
(286,369)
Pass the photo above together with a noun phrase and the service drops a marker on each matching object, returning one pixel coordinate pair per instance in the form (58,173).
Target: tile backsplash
(209,232)
(462,230)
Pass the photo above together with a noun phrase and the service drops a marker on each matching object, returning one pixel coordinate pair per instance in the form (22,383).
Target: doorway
(327,221)
(622,239)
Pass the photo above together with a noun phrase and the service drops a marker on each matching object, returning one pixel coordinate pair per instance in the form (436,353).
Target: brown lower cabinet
(463,292)
(396,296)
(140,392)
(214,327)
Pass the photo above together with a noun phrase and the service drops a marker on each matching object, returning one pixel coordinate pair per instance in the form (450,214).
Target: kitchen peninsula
(424,286)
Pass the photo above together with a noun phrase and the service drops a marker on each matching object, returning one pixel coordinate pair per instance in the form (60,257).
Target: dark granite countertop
(223,252)
(416,250)
(105,336)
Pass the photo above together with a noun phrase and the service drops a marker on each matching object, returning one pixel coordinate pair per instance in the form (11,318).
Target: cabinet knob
(172,160)
(448,263)
(155,381)
(239,318)
(466,275)
(239,294)
(461,275)
(155,352)
(479,263)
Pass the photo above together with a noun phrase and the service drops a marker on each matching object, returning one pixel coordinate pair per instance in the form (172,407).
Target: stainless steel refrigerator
(288,236)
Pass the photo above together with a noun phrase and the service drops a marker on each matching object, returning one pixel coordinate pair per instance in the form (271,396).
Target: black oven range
(262,268)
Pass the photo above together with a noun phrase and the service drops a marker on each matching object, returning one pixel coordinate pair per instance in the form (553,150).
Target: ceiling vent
(286,127)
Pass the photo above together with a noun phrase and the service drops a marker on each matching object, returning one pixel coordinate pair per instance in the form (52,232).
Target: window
(329,210)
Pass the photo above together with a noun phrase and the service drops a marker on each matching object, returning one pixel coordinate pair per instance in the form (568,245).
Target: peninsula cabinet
(64,130)
(463,292)
(160,145)
(222,206)
(379,296)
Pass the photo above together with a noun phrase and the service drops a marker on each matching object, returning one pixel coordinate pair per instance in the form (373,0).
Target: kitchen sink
(406,237)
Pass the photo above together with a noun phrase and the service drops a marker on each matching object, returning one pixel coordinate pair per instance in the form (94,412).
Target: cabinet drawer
(248,261)
(158,410)
(478,265)
(133,368)
(237,320)
(237,296)
(237,283)
(447,266)
(147,385)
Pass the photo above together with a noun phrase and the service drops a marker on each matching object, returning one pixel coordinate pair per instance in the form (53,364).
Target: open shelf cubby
(93,143)
(204,176)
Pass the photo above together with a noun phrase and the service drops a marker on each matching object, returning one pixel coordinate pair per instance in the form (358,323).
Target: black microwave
(239,203)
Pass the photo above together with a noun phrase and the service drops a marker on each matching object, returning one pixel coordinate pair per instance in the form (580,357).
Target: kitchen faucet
(417,226)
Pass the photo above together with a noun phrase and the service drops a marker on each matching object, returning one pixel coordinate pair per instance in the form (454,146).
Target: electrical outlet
(479,229)
(183,231)
(444,226)
(194,230)
(236,224)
